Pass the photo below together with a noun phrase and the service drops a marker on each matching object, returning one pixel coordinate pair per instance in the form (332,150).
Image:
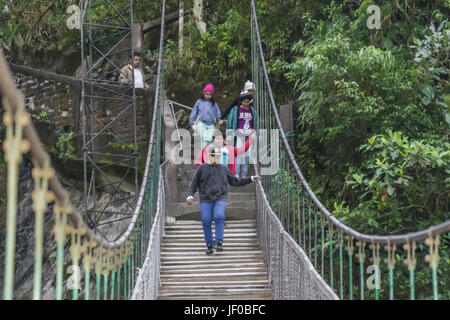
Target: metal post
(113,276)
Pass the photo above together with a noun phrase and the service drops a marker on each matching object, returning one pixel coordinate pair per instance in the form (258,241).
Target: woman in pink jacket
(229,153)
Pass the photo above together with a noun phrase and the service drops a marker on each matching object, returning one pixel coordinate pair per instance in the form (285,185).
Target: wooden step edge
(223,297)
(198,222)
(215,286)
(217,282)
(218,265)
(199,292)
(200,231)
(215,275)
(238,270)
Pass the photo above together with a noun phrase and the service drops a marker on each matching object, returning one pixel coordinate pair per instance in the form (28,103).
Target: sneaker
(210,250)
(219,246)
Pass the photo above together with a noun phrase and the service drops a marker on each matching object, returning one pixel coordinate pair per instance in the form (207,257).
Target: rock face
(55,106)
(48,100)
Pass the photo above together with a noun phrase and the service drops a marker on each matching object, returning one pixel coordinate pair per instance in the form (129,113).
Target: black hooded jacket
(212,182)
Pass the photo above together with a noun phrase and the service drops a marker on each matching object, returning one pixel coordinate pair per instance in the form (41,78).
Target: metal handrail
(413,236)
(179,104)
(176,124)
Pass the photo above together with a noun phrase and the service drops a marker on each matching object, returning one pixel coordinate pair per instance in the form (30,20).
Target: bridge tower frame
(106,28)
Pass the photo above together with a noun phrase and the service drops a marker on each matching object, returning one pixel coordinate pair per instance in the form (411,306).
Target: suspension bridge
(282,244)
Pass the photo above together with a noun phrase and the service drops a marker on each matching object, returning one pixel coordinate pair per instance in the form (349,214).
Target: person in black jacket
(212,180)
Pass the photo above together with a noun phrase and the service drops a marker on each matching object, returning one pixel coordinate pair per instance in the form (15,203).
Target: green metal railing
(345,258)
(111,265)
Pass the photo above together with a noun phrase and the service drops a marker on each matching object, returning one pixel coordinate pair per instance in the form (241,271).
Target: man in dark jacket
(126,73)
(212,180)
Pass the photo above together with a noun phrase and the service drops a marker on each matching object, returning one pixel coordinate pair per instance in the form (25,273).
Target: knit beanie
(249,86)
(245,95)
(209,88)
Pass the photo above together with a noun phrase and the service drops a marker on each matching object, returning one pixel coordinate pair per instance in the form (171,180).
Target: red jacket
(203,156)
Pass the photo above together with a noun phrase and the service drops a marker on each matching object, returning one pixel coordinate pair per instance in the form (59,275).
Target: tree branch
(43,14)
(156,24)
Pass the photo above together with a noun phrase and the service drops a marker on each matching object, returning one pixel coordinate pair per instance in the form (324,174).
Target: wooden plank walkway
(237,273)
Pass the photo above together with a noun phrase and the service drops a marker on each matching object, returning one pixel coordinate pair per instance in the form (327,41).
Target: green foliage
(65,147)
(373,123)
(433,57)
(390,182)
(355,84)
(147,10)
(218,56)
(124,147)
(42,115)
(32,29)
(433,51)
(346,95)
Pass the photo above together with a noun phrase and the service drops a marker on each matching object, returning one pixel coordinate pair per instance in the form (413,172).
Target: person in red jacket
(229,153)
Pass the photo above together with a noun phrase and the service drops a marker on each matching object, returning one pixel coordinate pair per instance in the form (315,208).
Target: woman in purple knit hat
(205,115)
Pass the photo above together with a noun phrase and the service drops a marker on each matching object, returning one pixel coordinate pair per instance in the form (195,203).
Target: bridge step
(197,222)
(208,261)
(218,284)
(200,231)
(235,209)
(214,276)
(196,266)
(228,224)
(199,228)
(199,240)
(239,272)
(201,249)
(252,293)
(220,297)
(225,253)
(199,244)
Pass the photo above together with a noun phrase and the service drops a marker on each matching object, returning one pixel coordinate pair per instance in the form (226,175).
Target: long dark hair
(243,97)
(212,100)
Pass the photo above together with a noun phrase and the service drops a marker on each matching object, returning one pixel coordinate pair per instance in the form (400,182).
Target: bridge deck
(187,273)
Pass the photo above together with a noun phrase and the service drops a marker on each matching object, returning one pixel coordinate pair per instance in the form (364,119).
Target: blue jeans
(241,170)
(208,210)
(206,132)
(241,159)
